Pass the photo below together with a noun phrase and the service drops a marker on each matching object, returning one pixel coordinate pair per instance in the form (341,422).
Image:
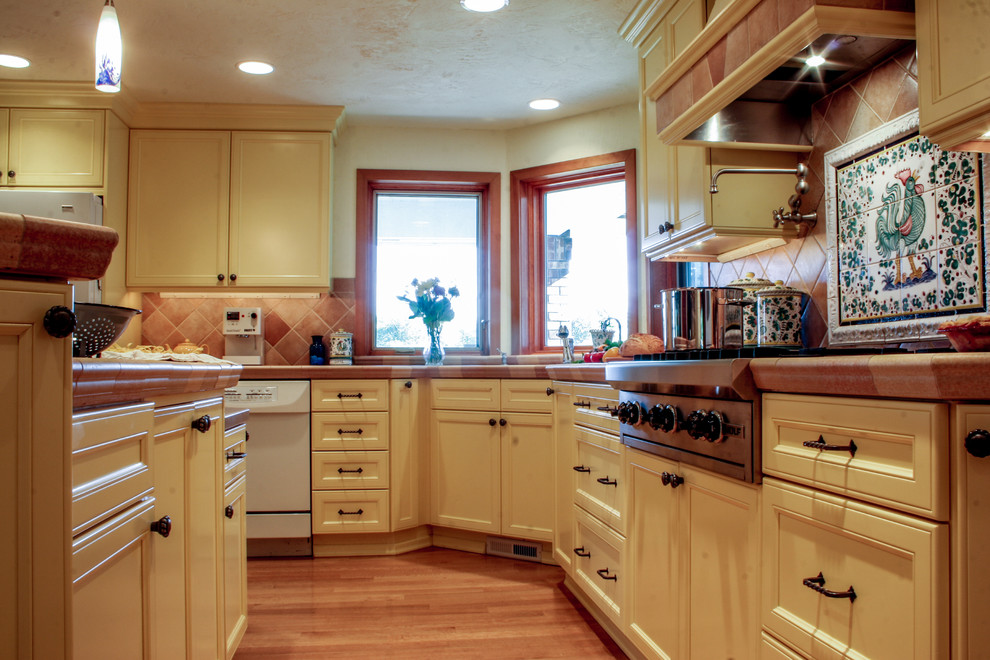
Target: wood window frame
(488,186)
(526,188)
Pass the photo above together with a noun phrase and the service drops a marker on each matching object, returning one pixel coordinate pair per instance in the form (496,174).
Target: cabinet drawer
(340,470)
(597,557)
(466,394)
(110,461)
(526,396)
(346,511)
(234,454)
(339,395)
(593,406)
(94,550)
(772,648)
(599,484)
(901,457)
(896,564)
(350,430)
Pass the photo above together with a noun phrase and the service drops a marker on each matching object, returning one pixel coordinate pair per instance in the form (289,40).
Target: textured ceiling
(384,60)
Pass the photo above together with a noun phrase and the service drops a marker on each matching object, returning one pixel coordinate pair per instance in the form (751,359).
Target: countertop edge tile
(99,382)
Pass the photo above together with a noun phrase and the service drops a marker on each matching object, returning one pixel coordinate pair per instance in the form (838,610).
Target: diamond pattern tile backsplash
(884,93)
(289,323)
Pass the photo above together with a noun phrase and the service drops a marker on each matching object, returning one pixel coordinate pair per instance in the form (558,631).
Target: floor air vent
(514,549)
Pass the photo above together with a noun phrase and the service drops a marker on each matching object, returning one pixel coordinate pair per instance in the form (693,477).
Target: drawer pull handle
(817,583)
(203,424)
(234,455)
(821,445)
(603,574)
(229,511)
(162,526)
(610,410)
(343,431)
(341,512)
(583,404)
(581,468)
(357,471)
(671,479)
(581,552)
(341,395)
(605,481)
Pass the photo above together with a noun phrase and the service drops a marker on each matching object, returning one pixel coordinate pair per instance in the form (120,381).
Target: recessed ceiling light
(13,61)
(815,60)
(257,68)
(544,104)
(484,5)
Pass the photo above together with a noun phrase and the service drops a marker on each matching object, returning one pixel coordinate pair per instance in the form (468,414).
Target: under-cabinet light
(484,5)
(544,104)
(255,68)
(13,61)
(815,61)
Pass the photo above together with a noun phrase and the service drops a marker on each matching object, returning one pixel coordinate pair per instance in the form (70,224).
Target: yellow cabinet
(234,564)
(599,563)
(34,465)
(46,147)
(953,81)
(844,579)
(409,488)
(210,209)
(466,471)
(693,543)
(563,466)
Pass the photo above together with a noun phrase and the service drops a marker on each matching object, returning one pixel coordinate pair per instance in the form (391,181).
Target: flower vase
(433,353)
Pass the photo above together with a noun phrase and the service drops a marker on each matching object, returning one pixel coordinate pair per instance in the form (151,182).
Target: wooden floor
(428,604)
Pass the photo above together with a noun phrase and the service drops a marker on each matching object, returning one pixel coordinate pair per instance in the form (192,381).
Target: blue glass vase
(433,353)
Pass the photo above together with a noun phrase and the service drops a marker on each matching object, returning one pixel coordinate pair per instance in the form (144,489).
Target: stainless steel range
(700,408)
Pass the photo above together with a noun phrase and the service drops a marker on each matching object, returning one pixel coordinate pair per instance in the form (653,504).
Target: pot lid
(778,288)
(751,282)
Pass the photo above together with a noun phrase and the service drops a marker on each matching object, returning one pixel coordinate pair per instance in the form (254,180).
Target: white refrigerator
(74,206)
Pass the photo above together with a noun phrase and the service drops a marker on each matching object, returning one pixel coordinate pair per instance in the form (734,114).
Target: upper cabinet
(41,147)
(247,209)
(953,77)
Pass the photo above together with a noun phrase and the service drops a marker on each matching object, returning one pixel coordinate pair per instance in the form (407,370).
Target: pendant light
(108,50)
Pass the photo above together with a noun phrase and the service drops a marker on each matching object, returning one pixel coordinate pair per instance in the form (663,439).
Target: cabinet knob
(203,424)
(549,391)
(491,422)
(162,526)
(11,174)
(665,227)
(502,422)
(978,443)
(233,277)
(408,384)
(219,277)
(671,479)
(59,321)
(229,511)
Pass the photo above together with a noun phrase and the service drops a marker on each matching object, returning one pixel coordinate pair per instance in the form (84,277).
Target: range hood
(709,94)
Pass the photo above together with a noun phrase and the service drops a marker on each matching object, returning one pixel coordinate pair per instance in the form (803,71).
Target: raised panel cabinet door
(563,477)
(409,489)
(56,147)
(4,141)
(953,79)
(466,472)
(234,565)
(35,405)
(652,562)
(178,208)
(280,209)
(527,475)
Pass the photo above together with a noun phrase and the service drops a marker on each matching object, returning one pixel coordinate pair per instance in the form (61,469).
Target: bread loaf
(640,344)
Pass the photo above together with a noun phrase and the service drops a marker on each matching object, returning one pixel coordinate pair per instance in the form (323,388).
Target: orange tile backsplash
(874,98)
(289,323)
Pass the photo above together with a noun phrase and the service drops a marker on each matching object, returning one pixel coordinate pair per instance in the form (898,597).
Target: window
(575,250)
(419,225)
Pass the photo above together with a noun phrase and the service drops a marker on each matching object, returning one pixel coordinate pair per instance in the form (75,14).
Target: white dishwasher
(278,472)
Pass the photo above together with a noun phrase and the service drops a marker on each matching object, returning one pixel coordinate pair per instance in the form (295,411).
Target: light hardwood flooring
(428,604)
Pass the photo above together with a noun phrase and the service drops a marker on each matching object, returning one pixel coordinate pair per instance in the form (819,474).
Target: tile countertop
(99,382)
(332,372)
(933,376)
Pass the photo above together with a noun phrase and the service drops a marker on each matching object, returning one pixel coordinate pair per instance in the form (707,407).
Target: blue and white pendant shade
(109,51)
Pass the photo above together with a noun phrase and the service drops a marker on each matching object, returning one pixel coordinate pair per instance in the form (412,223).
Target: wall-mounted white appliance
(74,206)
(244,340)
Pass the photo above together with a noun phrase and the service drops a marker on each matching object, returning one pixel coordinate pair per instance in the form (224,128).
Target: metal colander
(98,326)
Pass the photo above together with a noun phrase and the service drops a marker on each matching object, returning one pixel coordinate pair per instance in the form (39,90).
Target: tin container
(778,312)
(696,318)
(750,284)
(341,348)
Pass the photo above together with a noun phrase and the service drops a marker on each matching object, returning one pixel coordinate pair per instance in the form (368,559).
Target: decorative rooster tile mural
(906,235)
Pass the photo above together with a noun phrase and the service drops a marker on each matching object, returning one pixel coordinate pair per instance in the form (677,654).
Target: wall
(289,322)
(884,93)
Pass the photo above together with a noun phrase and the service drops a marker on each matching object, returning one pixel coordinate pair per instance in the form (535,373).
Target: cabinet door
(56,147)
(178,208)
(465,457)
(953,93)
(527,475)
(35,400)
(280,209)
(409,474)
(564,474)
(234,565)
(4,141)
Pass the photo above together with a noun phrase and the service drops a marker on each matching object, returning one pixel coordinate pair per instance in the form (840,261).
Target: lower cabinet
(692,561)
(234,564)
(598,563)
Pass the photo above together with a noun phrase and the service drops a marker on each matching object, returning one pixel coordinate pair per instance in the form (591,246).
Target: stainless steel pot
(701,318)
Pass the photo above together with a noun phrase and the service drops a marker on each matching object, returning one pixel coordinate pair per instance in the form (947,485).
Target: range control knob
(632,413)
(668,419)
(702,425)
(695,424)
(653,416)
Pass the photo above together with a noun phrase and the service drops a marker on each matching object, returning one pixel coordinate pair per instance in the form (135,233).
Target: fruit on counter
(641,344)
(611,353)
(594,356)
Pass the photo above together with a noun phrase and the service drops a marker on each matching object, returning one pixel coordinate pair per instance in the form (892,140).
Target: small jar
(317,351)
(750,284)
(778,311)
(341,348)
